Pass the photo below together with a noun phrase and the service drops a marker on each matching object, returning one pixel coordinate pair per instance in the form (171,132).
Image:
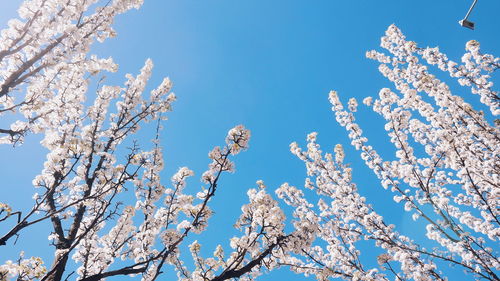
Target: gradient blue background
(268,65)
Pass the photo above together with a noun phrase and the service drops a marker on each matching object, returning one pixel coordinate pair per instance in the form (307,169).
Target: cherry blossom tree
(93,169)
(445,172)
(110,211)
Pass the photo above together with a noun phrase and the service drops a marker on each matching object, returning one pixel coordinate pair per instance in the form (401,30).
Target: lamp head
(466,23)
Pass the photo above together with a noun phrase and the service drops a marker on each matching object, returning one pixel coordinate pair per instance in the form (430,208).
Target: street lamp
(465,22)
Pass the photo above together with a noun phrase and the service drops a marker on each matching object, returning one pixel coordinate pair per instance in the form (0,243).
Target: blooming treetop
(453,186)
(46,70)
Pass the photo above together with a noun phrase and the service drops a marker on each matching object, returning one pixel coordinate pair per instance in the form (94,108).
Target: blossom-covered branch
(40,52)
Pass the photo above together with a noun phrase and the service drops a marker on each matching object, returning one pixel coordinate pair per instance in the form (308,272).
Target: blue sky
(268,65)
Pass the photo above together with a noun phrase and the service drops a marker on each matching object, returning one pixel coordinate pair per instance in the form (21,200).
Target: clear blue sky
(268,65)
